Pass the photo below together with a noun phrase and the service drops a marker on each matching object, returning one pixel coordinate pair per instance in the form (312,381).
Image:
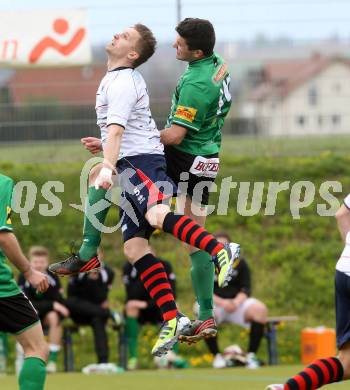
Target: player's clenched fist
(104,179)
(37,279)
(92,144)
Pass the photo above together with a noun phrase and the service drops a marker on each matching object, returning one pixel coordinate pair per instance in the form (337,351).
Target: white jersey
(343,264)
(122,99)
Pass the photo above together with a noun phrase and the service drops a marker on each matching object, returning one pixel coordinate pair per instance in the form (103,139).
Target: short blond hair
(146,44)
(38,250)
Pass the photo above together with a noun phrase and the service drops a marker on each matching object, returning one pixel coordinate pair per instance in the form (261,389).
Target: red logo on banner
(60,26)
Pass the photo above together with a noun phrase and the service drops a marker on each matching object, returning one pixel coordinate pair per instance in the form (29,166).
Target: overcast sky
(233,20)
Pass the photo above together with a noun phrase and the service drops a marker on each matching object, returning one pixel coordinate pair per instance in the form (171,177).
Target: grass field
(72,151)
(200,379)
(280,239)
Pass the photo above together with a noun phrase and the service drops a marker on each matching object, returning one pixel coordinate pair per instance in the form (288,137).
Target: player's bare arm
(173,135)
(343,220)
(240,298)
(110,153)
(13,251)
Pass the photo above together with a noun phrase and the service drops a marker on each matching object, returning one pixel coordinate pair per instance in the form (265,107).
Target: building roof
(75,85)
(281,78)
(5,75)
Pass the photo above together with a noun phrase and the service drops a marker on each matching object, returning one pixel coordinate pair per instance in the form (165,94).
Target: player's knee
(52,318)
(345,361)
(344,357)
(257,313)
(155,215)
(130,252)
(134,250)
(131,311)
(263,310)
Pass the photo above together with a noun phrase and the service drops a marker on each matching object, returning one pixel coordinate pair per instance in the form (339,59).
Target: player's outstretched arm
(12,250)
(343,218)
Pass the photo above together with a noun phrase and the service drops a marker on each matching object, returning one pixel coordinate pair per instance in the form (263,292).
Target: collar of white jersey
(120,68)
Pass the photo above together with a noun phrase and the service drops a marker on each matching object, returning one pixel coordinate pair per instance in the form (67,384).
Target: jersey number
(225,95)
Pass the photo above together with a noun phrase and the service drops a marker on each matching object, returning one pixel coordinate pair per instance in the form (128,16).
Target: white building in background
(302,97)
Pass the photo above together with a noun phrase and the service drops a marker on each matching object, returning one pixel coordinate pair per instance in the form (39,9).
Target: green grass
(72,151)
(285,146)
(201,379)
(43,152)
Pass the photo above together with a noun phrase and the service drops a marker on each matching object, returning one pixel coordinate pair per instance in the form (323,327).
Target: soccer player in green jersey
(17,314)
(132,147)
(192,137)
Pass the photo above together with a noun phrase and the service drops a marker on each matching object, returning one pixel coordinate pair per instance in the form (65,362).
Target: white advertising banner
(44,38)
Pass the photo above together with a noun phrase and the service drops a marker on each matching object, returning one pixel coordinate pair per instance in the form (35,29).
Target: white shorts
(237,317)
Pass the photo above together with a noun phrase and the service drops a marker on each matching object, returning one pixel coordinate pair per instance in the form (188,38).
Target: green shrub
(292,261)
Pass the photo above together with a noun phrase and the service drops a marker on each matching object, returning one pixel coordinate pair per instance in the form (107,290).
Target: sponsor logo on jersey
(8,212)
(207,167)
(220,74)
(186,113)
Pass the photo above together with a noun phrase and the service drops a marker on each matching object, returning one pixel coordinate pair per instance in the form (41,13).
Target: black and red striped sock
(189,231)
(155,280)
(319,373)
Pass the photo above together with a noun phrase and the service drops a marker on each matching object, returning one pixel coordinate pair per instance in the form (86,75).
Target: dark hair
(223,235)
(146,45)
(199,34)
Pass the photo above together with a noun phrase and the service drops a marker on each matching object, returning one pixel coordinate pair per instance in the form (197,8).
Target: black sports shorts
(145,183)
(17,314)
(342,307)
(200,170)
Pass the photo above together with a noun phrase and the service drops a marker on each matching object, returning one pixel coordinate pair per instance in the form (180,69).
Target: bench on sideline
(271,335)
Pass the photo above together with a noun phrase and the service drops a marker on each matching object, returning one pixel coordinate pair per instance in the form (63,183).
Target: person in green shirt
(146,188)
(17,314)
(192,140)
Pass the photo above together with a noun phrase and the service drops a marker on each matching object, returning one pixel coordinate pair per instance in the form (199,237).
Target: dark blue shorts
(342,307)
(144,183)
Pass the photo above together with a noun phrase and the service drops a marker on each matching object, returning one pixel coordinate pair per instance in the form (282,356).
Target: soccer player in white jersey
(132,148)
(337,368)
